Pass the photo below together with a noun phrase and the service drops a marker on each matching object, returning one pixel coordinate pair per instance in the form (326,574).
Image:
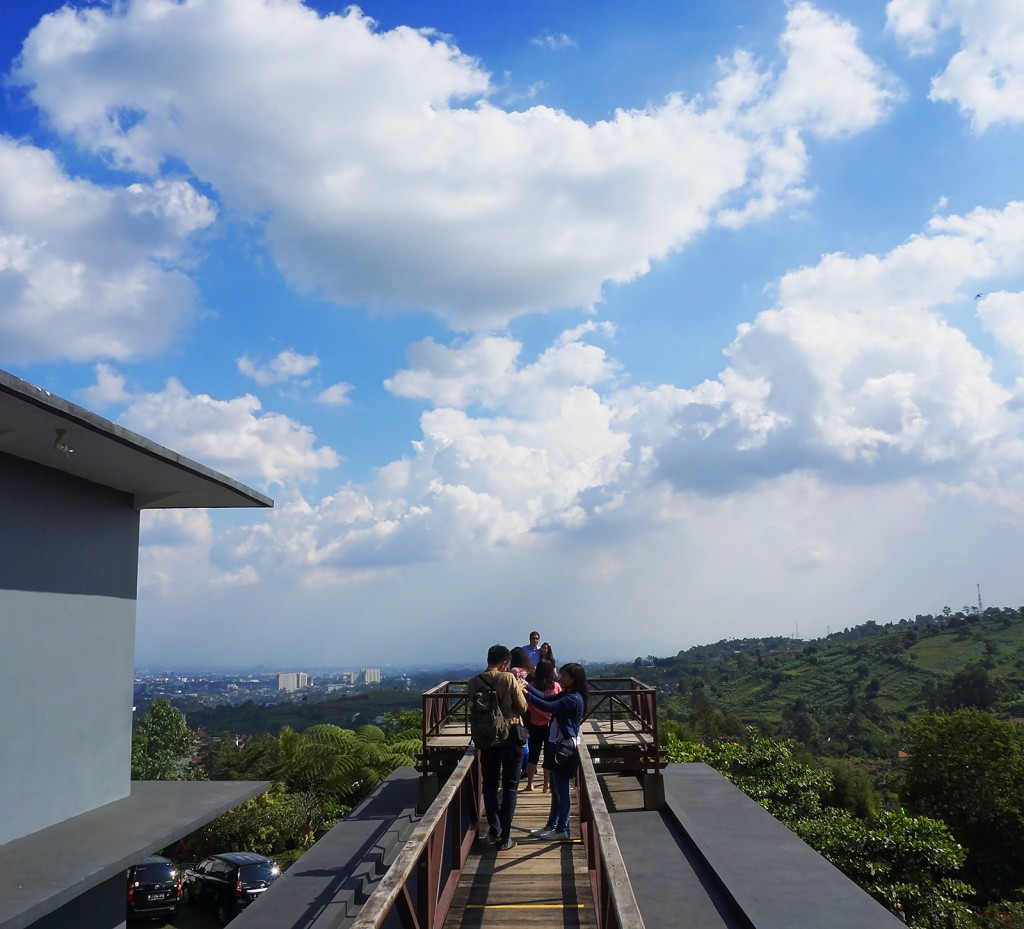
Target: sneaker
(506,845)
(540,833)
(557,835)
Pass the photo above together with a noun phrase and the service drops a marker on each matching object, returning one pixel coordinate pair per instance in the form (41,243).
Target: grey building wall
(68,580)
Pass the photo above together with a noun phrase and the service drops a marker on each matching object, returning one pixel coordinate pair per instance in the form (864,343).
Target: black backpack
(487,723)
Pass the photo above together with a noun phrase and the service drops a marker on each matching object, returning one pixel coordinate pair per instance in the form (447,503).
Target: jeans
(558,818)
(501,767)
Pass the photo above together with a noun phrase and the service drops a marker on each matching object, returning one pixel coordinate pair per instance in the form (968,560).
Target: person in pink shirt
(538,719)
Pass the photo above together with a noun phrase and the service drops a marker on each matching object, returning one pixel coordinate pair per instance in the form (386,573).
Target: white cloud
(233,435)
(174,544)
(90,272)
(336,394)
(855,378)
(109,389)
(542,439)
(827,88)
(985,77)
(288,365)
(385,176)
(1002,314)
(554,42)
(857,375)
(828,84)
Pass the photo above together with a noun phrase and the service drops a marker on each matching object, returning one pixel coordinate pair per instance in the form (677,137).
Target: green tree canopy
(161,744)
(967,769)
(912,861)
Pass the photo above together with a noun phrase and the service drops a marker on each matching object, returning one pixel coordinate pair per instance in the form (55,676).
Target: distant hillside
(850,692)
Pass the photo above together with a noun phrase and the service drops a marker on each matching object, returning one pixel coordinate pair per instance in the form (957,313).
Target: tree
(268,824)
(325,770)
(912,861)
(898,859)
(967,769)
(161,744)
(972,686)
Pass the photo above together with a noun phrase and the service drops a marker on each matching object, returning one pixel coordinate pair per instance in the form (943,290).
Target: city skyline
(642,326)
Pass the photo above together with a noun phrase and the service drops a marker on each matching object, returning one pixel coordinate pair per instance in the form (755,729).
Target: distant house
(72,485)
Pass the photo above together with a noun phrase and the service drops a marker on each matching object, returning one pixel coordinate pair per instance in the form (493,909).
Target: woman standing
(546,654)
(538,720)
(567,711)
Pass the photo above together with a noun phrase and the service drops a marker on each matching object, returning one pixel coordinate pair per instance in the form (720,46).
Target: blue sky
(642,325)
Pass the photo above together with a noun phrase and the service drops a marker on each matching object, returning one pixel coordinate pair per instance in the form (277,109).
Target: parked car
(154,889)
(228,882)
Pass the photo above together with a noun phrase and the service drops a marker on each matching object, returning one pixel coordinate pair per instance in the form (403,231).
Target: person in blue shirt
(567,711)
(533,649)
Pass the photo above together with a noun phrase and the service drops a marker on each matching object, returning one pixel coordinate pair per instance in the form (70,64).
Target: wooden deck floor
(538,883)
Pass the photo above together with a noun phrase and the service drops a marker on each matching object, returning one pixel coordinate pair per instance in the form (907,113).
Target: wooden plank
(539,883)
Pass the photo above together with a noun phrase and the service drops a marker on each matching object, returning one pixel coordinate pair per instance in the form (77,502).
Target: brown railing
(446,703)
(421,883)
(614,902)
(625,699)
(617,699)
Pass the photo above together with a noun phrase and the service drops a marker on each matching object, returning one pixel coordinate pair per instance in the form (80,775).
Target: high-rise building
(371,675)
(293,680)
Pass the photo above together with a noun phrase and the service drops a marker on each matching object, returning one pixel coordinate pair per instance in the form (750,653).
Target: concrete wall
(68,578)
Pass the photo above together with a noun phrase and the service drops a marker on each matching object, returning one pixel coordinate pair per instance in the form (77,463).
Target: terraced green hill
(851,692)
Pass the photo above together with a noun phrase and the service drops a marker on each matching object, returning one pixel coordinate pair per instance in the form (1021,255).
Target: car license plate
(157,897)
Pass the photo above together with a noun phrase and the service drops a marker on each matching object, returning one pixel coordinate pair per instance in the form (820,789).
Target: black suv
(154,889)
(227,883)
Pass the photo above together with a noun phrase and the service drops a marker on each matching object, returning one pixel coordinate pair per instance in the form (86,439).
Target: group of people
(553,701)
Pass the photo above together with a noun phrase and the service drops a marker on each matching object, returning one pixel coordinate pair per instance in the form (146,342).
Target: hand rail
(615,904)
(422,881)
(448,702)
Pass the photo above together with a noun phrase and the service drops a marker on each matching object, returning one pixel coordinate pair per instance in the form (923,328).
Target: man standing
(501,764)
(533,649)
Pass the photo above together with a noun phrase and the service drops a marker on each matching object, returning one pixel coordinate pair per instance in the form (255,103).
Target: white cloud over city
(466,344)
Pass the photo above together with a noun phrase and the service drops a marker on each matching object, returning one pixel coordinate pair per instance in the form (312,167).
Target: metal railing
(617,699)
(444,704)
(421,883)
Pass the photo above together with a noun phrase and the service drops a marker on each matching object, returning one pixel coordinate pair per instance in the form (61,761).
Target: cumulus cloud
(88,271)
(386,176)
(856,374)
(1002,314)
(174,544)
(985,77)
(335,395)
(855,377)
(288,365)
(234,436)
(827,88)
(508,448)
(109,389)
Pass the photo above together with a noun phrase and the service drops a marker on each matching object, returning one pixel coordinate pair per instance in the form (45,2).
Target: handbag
(565,751)
(566,747)
(518,734)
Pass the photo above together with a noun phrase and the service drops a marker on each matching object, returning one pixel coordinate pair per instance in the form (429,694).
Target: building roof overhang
(108,454)
(53,866)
